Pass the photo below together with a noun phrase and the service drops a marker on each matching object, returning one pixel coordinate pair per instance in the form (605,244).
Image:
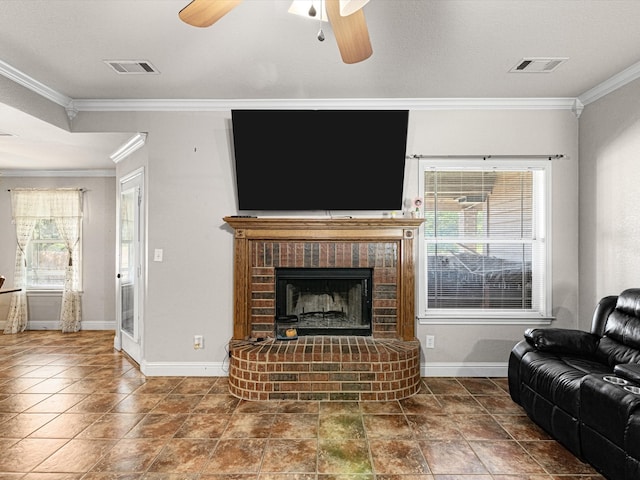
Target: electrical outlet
(198,342)
(431,341)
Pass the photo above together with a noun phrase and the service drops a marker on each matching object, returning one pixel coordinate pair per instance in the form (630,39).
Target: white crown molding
(160,105)
(57,173)
(34,85)
(130,146)
(617,81)
(73,106)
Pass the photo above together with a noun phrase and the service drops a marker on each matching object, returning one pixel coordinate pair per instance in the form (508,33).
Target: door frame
(132,346)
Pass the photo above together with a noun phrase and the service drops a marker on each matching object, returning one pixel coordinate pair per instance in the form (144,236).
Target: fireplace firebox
(323,301)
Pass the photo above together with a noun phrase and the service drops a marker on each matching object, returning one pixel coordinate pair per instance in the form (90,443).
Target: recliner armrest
(629,371)
(562,340)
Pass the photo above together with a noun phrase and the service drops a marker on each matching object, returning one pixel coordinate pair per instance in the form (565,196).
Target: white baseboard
(84,325)
(43,325)
(221,369)
(184,369)
(97,325)
(55,325)
(467,369)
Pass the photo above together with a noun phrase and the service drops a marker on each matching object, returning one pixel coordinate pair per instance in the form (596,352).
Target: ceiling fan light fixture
(347,7)
(304,7)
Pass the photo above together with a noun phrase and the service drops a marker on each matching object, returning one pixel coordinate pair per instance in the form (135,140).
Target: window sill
(45,293)
(484,320)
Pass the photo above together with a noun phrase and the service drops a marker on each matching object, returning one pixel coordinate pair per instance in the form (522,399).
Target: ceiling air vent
(538,64)
(125,67)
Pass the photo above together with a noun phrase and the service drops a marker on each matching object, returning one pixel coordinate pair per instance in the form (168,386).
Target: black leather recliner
(583,388)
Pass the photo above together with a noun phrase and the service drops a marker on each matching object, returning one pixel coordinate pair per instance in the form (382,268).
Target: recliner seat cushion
(557,377)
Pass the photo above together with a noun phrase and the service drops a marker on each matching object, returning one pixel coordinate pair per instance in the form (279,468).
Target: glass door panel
(129,265)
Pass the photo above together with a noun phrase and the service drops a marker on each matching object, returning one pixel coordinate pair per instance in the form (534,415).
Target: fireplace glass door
(325,301)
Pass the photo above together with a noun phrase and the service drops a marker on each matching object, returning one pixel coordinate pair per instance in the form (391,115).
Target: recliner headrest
(629,302)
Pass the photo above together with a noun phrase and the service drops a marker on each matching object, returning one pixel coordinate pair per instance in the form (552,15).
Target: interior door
(129,274)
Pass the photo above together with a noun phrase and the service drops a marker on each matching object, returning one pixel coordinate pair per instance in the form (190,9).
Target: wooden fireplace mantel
(322,228)
(401,231)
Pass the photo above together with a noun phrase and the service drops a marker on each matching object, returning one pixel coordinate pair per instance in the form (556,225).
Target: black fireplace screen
(325,301)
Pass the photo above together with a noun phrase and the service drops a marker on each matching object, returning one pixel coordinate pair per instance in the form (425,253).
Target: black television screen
(320,159)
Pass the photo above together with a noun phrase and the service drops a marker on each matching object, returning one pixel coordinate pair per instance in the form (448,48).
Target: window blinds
(484,239)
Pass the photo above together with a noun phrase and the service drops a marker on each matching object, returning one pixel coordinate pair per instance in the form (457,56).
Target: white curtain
(17,318)
(64,206)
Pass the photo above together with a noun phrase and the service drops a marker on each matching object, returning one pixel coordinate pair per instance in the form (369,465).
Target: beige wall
(98,298)
(15,96)
(190,188)
(468,347)
(609,213)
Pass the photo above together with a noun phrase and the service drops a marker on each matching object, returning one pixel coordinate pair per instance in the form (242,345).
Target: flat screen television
(319,159)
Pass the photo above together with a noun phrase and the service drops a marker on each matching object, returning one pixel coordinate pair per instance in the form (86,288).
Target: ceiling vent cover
(126,67)
(538,64)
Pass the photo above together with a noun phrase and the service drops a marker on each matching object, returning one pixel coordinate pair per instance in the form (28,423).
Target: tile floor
(73,408)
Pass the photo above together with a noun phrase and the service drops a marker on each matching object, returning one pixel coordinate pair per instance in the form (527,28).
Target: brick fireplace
(381,365)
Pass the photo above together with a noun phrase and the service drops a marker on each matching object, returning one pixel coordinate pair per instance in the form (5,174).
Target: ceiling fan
(345,16)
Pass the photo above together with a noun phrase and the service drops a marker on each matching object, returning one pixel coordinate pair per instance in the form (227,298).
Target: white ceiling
(422,49)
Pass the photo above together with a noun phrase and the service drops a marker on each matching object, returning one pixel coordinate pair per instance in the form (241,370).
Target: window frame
(31,288)
(542,222)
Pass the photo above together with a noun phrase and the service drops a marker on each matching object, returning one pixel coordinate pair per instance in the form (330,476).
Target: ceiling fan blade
(351,32)
(204,13)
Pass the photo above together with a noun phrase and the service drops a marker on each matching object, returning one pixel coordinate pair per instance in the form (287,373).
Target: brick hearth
(381,367)
(325,368)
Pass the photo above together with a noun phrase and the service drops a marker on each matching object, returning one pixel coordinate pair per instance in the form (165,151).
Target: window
(46,257)
(48,225)
(485,246)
